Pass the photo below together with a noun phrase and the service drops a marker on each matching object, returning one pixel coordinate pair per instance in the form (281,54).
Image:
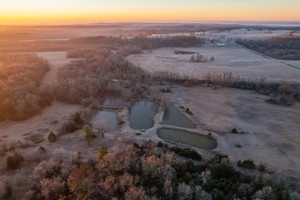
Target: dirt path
(56,60)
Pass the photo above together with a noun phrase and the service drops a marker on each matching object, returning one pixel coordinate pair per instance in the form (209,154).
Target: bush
(69,127)
(209,134)
(52,137)
(8,192)
(234,130)
(166,90)
(42,149)
(188,111)
(76,118)
(187,153)
(160,144)
(261,167)
(248,164)
(14,161)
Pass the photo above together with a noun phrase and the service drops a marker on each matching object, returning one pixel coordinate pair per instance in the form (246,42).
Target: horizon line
(296,22)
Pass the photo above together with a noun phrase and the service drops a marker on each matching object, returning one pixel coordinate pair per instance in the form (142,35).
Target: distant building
(220,44)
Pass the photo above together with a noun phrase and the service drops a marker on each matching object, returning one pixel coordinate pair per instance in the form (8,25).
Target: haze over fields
(138,99)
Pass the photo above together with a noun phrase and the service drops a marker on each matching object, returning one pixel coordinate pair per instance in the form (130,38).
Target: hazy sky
(53,11)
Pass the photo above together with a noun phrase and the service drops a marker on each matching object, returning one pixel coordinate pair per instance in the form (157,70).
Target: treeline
(99,42)
(20,92)
(177,41)
(61,45)
(287,48)
(148,173)
(282,93)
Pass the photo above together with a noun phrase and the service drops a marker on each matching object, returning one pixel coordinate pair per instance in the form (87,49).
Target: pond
(105,120)
(141,115)
(185,137)
(175,117)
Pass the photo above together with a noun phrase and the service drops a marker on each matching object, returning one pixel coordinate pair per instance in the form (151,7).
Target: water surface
(175,117)
(141,115)
(185,137)
(106,120)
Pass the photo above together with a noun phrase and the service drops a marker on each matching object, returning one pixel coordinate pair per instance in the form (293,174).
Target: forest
(147,172)
(20,93)
(287,48)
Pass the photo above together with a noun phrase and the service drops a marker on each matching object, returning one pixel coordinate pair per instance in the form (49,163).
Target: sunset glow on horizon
(74,11)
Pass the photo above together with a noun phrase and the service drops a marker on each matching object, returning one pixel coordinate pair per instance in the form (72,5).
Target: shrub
(76,118)
(8,192)
(69,127)
(209,134)
(89,134)
(261,167)
(160,144)
(42,149)
(14,161)
(248,164)
(166,90)
(187,153)
(102,152)
(52,137)
(188,111)
(234,130)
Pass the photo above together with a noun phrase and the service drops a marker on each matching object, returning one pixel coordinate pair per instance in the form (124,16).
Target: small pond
(141,115)
(106,120)
(184,137)
(175,117)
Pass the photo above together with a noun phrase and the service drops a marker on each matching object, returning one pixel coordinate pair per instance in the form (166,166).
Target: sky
(75,11)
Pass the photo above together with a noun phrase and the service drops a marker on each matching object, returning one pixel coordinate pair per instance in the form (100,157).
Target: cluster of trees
(147,172)
(285,95)
(20,93)
(200,58)
(287,48)
(100,72)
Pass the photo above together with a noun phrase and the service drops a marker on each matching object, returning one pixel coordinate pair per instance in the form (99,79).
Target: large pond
(184,137)
(105,120)
(174,117)
(141,115)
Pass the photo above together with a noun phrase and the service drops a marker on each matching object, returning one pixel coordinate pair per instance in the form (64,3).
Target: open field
(271,133)
(237,60)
